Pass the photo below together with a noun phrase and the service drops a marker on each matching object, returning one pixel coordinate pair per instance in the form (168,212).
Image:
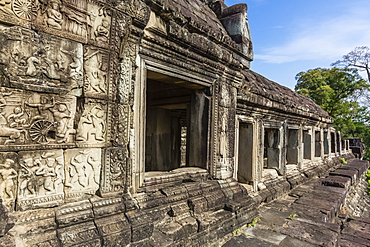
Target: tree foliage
(335,91)
(332,89)
(343,93)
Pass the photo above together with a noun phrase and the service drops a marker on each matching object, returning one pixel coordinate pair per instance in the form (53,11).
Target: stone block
(142,243)
(3,218)
(115,230)
(103,207)
(173,230)
(215,200)
(41,179)
(337,181)
(38,226)
(46,239)
(198,204)
(179,209)
(84,234)
(141,225)
(159,239)
(190,226)
(158,213)
(318,234)
(74,213)
(345,173)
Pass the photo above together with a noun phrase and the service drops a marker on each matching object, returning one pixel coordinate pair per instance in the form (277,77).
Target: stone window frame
(256,160)
(145,64)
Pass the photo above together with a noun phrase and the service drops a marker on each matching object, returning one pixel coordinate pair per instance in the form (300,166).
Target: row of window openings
(177,132)
(272,148)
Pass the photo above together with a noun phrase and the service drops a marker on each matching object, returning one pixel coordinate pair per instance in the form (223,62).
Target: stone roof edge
(257,90)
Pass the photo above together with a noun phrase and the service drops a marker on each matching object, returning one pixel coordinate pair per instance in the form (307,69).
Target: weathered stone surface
(120,125)
(345,173)
(3,218)
(337,181)
(141,225)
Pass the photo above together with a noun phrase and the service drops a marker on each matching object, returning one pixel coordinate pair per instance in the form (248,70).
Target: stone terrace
(316,213)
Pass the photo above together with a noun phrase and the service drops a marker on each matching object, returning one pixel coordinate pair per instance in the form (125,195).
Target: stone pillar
(307,144)
(326,143)
(318,143)
(293,146)
(198,130)
(338,143)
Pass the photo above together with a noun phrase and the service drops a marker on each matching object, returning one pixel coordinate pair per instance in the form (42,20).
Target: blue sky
(293,36)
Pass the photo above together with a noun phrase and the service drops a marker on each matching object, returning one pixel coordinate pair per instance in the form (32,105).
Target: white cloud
(323,40)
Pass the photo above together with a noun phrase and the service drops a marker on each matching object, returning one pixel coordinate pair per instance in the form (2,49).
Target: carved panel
(120,30)
(80,235)
(135,8)
(120,124)
(41,62)
(82,172)
(114,170)
(35,118)
(18,12)
(41,179)
(100,19)
(92,124)
(113,76)
(8,178)
(125,85)
(96,72)
(67,19)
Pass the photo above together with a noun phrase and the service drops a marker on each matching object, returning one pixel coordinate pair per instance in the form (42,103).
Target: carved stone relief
(41,179)
(18,12)
(114,175)
(82,172)
(92,125)
(100,19)
(41,62)
(35,118)
(120,30)
(125,87)
(68,19)
(120,125)
(8,178)
(135,8)
(96,77)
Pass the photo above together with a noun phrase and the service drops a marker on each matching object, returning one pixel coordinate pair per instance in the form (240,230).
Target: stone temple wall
(103,103)
(64,126)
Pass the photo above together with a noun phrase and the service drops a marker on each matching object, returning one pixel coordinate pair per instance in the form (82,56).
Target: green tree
(334,89)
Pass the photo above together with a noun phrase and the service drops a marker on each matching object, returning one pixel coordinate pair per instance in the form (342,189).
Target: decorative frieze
(41,62)
(41,179)
(82,172)
(92,124)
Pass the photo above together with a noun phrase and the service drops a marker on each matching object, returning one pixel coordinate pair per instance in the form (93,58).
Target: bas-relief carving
(73,19)
(120,31)
(82,171)
(68,18)
(41,178)
(92,125)
(18,12)
(114,169)
(100,19)
(8,178)
(35,118)
(120,125)
(96,77)
(135,8)
(41,62)
(125,87)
